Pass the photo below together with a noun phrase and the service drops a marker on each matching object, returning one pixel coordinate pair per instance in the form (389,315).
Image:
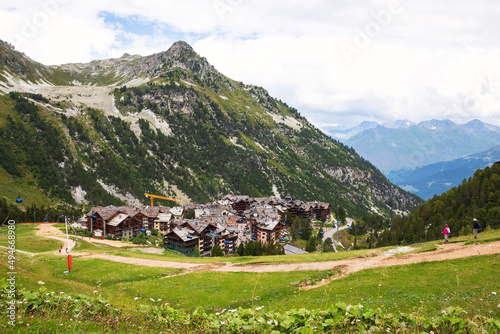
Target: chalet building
(239,203)
(119,222)
(182,239)
(321,210)
(188,235)
(267,230)
(152,212)
(162,223)
(177,212)
(227,238)
(99,216)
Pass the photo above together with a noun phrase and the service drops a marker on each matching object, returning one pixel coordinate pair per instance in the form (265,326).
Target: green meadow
(427,288)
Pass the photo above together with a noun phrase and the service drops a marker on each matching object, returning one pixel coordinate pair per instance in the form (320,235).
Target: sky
(338,62)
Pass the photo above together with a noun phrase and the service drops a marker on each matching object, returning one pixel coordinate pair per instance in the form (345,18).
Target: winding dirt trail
(49,231)
(345,266)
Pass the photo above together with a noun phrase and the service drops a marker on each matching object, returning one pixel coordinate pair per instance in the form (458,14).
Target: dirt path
(49,231)
(346,266)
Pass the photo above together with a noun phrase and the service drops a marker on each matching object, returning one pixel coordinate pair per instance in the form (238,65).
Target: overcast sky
(337,62)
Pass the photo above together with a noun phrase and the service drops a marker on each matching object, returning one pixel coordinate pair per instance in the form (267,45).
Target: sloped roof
(183,233)
(176,210)
(164,217)
(118,219)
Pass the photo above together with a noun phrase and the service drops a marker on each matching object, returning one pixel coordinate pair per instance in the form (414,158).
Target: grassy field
(27,241)
(427,288)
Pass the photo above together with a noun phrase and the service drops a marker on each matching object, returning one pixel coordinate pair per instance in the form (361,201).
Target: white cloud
(413,59)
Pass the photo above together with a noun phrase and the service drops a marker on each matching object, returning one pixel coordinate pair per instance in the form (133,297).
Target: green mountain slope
(478,197)
(171,124)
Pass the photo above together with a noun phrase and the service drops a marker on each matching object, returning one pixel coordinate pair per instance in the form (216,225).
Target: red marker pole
(69,263)
(67,245)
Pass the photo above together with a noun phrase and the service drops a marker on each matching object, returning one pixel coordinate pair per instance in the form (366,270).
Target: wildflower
(234,310)
(222,322)
(41,282)
(95,291)
(493,293)
(151,299)
(217,313)
(61,293)
(136,298)
(259,308)
(159,299)
(360,306)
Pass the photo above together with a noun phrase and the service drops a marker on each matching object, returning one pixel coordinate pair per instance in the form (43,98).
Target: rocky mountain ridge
(171,124)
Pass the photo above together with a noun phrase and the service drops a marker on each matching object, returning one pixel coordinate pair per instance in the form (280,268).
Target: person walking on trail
(446,232)
(475,228)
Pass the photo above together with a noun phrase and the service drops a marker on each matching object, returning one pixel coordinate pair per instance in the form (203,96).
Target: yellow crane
(160,197)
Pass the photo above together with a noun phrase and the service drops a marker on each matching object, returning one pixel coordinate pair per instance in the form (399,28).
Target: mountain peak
(181,45)
(398,124)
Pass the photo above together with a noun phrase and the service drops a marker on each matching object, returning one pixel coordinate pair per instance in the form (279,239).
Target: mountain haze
(405,145)
(437,178)
(107,131)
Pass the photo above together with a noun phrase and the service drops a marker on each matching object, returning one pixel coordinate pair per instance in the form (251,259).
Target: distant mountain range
(405,145)
(438,178)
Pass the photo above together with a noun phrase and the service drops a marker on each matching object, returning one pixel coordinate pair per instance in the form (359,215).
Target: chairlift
(19,200)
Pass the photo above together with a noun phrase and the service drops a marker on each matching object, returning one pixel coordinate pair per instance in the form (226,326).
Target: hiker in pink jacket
(446,231)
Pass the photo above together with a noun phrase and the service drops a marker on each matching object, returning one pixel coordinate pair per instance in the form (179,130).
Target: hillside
(105,132)
(478,197)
